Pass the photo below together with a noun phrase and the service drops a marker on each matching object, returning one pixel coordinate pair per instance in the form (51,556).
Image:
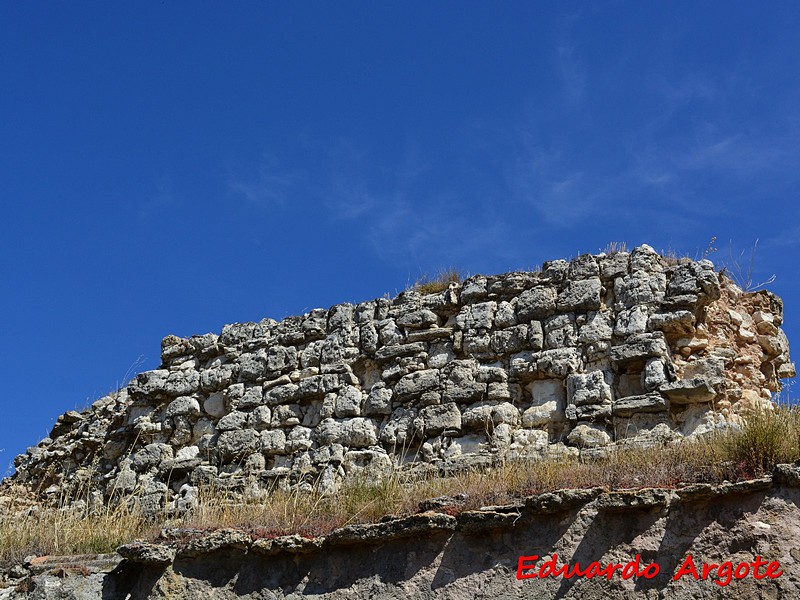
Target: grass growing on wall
(765,440)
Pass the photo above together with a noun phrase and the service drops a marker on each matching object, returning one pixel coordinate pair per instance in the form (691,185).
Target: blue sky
(171,167)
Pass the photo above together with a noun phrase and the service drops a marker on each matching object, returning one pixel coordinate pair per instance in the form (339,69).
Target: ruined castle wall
(623,347)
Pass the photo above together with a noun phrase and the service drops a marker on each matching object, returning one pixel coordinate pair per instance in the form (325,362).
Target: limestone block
(151,456)
(259,418)
(589,435)
(483,416)
(352,433)
(631,321)
(560,331)
(679,323)
(399,430)
(233,445)
(273,442)
(473,289)
(369,338)
(654,375)
(460,385)
(536,303)
(414,384)
(367,463)
(440,354)
(441,418)
(588,388)
(252,397)
(379,401)
(396,350)
(217,378)
(341,316)
(282,394)
(597,327)
(317,386)
(364,311)
(536,336)
(149,383)
(554,271)
(547,404)
(417,319)
(476,316)
(614,265)
(183,405)
(646,403)
(252,365)
(505,316)
(640,347)
(583,267)
(236,333)
(580,295)
(286,415)
(202,427)
(639,287)
(546,364)
(182,383)
(298,439)
(478,343)
(281,359)
(233,420)
(348,402)
(689,391)
(645,258)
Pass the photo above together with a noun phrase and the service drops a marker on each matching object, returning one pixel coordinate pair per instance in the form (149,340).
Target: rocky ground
(751,530)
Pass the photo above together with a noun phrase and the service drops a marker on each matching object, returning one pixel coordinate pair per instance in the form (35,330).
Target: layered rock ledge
(474,554)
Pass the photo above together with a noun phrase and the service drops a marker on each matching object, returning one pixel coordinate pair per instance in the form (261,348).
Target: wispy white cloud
(272,185)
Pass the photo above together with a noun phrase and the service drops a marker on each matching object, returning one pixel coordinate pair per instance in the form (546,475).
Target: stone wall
(614,348)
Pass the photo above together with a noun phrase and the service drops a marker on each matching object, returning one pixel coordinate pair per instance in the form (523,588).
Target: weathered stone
(588,435)
(413,385)
(391,352)
(547,404)
(536,303)
(556,363)
(640,347)
(441,418)
(625,407)
(689,391)
(509,340)
(559,332)
(588,388)
(417,319)
(273,442)
(183,405)
(147,553)
(582,295)
(477,316)
(348,402)
(233,445)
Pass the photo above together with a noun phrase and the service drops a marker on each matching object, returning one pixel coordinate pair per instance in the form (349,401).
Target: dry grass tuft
(437,283)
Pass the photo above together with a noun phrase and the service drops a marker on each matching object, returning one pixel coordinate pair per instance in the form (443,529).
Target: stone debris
(613,348)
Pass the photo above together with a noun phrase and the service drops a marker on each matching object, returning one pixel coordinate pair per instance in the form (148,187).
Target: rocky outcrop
(623,347)
(649,543)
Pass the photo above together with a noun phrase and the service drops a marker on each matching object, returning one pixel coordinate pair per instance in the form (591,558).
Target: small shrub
(767,438)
